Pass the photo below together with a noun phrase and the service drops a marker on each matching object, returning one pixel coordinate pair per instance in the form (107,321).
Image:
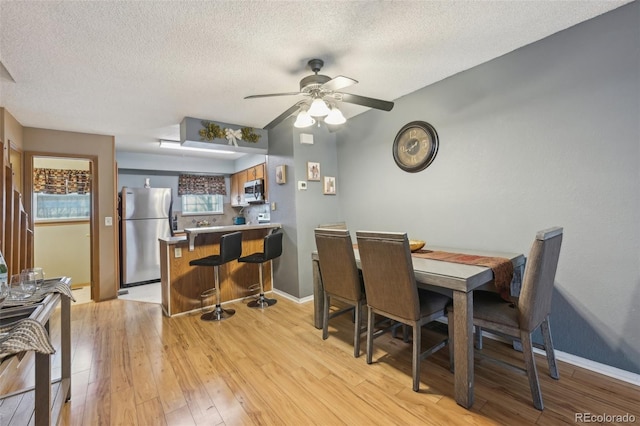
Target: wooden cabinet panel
(238,180)
(256,172)
(237,188)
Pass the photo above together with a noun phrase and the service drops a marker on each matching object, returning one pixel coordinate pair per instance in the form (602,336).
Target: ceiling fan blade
(279,119)
(364,101)
(337,83)
(273,94)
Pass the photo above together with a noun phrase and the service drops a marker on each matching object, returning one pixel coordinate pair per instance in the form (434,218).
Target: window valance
(199,185)
(61,181)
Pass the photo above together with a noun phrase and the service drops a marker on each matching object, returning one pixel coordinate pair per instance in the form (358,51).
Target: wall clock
(415,146)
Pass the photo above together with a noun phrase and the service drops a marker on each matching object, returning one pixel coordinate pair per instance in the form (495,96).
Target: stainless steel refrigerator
(145,216)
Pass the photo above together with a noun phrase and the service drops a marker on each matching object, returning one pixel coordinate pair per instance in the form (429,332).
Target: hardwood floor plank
(201,406)
(302,395)
(97,407)
(144,384)
(169,391)
(180,417)
(123,407)
(151,413)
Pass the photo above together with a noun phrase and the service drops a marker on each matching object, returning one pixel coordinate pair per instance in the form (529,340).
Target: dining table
(458,280)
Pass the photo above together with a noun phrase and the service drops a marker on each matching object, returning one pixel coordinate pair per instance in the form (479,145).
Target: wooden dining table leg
(463,347)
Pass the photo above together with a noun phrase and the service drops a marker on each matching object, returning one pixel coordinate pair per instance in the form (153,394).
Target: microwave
(254,191)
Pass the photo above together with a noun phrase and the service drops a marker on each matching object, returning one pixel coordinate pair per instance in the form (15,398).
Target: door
(63,219)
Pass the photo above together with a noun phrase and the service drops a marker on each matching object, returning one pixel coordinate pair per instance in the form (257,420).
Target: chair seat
(253,258)
(431,302)
(489,306)
(213,260)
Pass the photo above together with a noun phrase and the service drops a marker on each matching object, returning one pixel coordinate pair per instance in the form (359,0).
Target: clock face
(415,146)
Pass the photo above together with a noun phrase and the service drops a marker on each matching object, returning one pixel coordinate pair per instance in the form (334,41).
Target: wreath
(211,131)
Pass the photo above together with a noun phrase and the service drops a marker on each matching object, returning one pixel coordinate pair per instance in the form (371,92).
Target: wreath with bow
(211,131)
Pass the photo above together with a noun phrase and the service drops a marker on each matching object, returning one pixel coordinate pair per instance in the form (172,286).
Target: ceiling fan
(322,95)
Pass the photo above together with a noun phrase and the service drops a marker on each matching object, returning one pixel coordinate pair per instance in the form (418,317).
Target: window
(61,206)
(202,204)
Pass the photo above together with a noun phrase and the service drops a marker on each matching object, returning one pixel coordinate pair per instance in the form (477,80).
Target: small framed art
(313,171)
(329,187)
(281,174)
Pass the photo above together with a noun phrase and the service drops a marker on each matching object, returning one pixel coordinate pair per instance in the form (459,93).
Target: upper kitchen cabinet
(237,188)
(238,180)
(256,172)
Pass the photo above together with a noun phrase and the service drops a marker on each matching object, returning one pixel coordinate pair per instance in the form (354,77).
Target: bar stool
(230,249)
(272,249)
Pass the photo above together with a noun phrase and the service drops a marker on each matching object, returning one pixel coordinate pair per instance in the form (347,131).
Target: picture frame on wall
(281,174)
(313,171)
(329,185)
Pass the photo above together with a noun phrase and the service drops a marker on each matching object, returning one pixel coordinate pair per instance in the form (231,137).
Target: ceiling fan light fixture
(335,117)
(304,119)
(318,108)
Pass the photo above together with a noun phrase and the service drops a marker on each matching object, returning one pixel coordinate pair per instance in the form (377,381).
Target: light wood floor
(132,366)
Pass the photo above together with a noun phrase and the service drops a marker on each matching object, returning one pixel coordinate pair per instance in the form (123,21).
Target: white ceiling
(135,69)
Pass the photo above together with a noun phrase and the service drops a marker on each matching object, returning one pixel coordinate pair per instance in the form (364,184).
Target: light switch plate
(177,252)
(108,221)
(302,185)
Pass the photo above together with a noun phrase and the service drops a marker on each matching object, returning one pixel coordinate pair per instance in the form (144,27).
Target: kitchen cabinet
(238,180)
(237,188)
(256,172)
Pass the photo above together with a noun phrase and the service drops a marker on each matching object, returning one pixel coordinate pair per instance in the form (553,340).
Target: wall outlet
(302,185)
(177,252)
(108,221)
(273,206)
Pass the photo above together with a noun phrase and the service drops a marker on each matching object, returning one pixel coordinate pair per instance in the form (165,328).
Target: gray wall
(545,135)
(300,212)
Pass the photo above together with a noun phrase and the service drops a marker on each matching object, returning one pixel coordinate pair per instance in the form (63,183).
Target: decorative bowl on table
(416,245)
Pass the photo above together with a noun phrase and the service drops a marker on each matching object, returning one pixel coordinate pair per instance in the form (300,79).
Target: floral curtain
(198,185)
(61,181)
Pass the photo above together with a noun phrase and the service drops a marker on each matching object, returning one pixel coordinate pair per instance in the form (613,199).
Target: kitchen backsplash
(250,213)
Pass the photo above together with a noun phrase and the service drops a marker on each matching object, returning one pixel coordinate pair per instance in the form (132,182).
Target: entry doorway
(61,205)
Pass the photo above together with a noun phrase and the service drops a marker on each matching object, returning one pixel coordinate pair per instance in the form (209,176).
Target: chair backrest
(534,303)
(389,280)
(230,246)
(273,245)
(337,225)
(340,276)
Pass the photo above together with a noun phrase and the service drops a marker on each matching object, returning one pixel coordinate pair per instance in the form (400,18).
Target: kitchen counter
(182,284)
(192,233)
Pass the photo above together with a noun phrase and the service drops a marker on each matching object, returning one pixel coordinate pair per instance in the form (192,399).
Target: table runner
(502,267)
(24,335)
(49,286)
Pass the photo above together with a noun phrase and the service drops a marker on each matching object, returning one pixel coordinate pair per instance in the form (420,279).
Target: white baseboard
(596,367)
(292,298)
(587,364)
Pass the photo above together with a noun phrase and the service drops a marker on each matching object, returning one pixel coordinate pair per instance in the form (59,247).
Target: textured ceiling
(135,69)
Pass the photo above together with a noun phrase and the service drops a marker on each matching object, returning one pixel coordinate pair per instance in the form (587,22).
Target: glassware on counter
(33,277)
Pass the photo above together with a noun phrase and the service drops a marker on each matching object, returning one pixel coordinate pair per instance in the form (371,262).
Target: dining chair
(336,225)
(341,279)
(518,319)
(390,285)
